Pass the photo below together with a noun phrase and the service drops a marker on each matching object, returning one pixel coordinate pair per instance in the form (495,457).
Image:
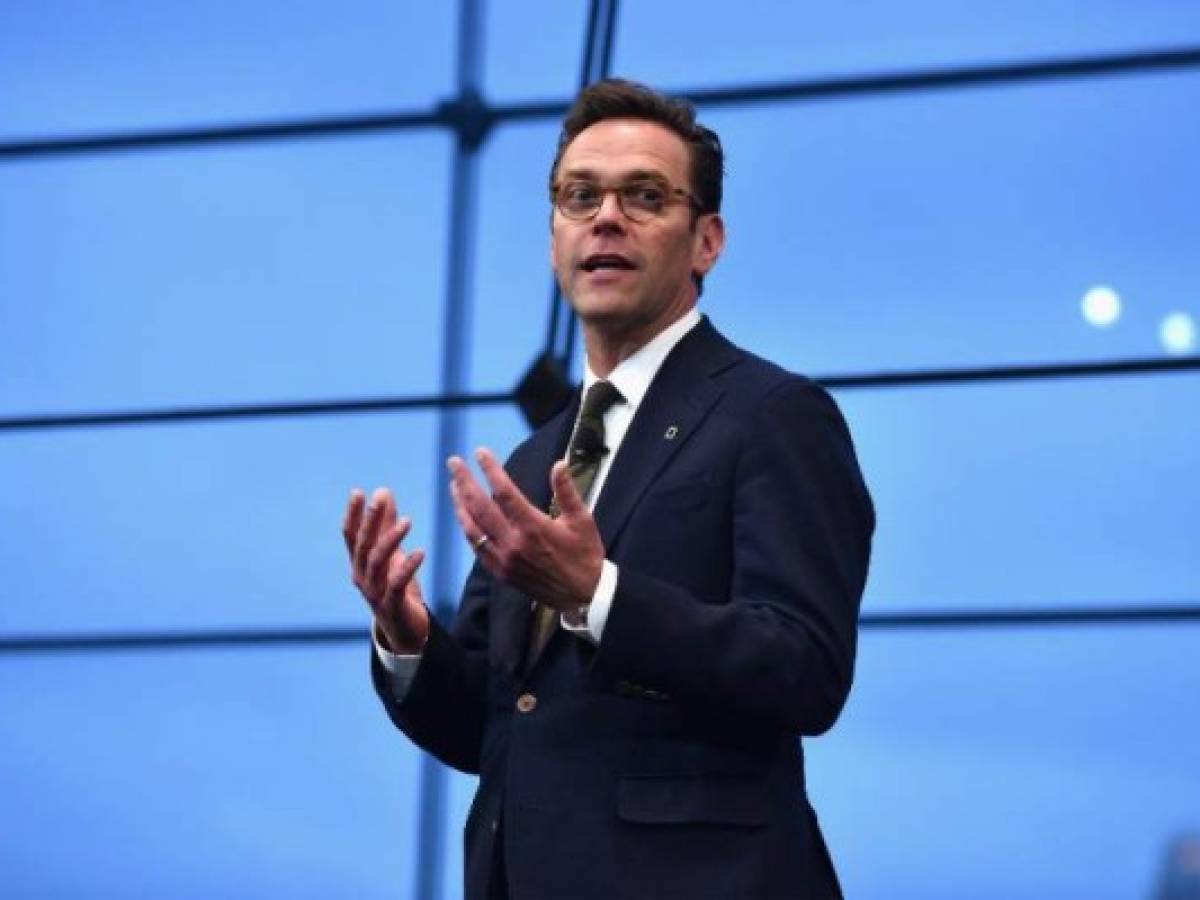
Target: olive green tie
(583,460)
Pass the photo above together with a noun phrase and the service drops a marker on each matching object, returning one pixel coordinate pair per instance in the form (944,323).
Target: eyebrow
(633,175)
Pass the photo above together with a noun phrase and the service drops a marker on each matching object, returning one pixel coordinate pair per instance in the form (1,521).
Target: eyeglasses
(640,199)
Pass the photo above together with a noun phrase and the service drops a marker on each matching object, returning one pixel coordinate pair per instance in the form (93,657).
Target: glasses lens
(579,199)
(643,199)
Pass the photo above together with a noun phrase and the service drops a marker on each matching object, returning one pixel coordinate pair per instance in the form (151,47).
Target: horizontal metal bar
(914,621)
(43,422)
(1012,373)
(1142,62)
(200,136)
(182,640)
(451,116)
(40,422)
(1005,618)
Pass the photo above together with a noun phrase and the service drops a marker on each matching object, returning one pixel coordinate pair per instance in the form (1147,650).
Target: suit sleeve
(443,710)
(780,648)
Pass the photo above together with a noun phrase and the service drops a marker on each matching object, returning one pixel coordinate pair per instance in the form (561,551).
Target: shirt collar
(633,375)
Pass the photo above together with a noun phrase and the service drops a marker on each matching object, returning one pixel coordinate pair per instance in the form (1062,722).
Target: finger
(570,503)
(467,525)
(390,514)
(352,520)
(377,562)
(399,576)
(387,518)
(505,494)
(369,529)
(482,510)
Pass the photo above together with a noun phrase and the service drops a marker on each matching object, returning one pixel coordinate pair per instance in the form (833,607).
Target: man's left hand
(556,561)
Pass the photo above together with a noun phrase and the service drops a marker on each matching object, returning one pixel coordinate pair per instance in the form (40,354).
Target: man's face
(621,276)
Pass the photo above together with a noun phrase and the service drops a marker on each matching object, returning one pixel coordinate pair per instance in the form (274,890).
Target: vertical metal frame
(598,45)
(429,875)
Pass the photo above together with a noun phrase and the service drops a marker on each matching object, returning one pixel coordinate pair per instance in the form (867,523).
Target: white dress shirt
(632,377)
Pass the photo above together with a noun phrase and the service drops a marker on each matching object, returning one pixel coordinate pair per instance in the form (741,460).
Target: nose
(610,216)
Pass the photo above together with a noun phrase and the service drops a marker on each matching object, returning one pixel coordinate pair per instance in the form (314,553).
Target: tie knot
(600,398)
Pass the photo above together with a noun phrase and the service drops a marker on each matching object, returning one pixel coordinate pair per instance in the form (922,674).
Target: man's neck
(608,347)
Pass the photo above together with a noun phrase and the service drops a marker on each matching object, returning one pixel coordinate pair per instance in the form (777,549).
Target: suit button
(526,703)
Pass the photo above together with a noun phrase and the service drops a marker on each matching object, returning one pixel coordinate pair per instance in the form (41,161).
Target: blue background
(882,232)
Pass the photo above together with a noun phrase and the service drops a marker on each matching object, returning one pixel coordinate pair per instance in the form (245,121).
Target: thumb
(565,492)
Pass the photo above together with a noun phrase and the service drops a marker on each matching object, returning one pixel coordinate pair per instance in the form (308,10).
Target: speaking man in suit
(668,574)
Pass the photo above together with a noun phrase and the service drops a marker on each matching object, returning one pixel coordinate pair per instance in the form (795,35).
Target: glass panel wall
(959,228)
(1012,763)
(1054,493)
(682,45)
(244,773)
(269,273)
(135,64)
(215,525)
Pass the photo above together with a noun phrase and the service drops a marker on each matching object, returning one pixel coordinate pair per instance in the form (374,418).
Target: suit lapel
(680,396)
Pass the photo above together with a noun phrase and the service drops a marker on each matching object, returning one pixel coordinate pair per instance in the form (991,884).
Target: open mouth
(600,261)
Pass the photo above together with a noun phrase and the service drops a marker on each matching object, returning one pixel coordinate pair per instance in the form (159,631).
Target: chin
(602,307)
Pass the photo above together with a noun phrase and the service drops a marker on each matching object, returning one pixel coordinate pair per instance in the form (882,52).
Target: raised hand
(383,573)
(556,561)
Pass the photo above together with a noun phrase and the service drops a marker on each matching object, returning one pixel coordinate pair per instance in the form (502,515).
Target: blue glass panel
(534,51)
(1032,493)
(266,273)
(513,280)
(1044,763)
(73,67)
(207,774)
(460,793)
(683,45)
(959,228)
(198,526)
(499,428)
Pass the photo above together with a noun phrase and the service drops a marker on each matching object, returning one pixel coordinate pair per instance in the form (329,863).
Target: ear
(708,243)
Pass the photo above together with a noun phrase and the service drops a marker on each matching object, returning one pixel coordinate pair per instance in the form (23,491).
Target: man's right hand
(383,572)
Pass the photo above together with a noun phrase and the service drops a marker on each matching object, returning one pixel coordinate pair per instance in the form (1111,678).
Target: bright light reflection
(1101,306)
(1178,333)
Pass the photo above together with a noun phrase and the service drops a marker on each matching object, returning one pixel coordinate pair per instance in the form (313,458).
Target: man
(668,574)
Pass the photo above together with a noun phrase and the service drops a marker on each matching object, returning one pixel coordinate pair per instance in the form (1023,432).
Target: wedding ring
(479,543)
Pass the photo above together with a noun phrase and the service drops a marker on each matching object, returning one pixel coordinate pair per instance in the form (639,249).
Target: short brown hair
(616,98)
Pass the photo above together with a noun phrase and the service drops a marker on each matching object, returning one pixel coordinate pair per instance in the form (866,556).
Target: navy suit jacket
(666,762)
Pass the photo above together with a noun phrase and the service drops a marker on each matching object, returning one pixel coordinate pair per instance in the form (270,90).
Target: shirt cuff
(590,624)
(401,668)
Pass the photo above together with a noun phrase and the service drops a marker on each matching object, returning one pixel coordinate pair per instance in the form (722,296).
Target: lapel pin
(671,433)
